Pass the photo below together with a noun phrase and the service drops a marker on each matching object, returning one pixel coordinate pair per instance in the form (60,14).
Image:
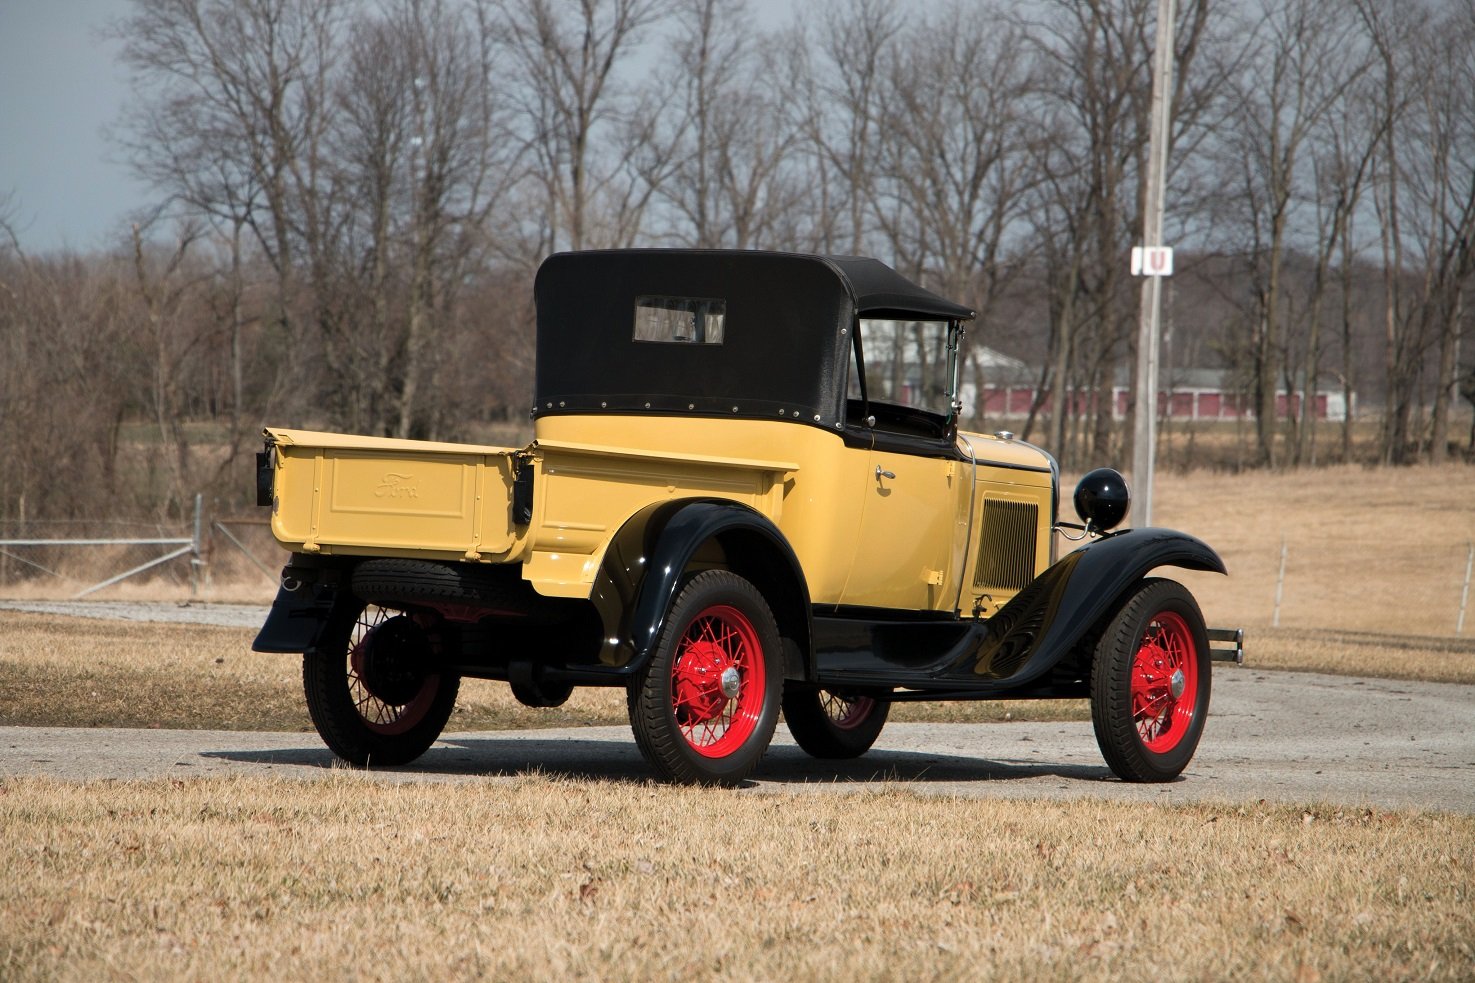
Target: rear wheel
(374,691)
(1150,683)
(828,725)
(705,706)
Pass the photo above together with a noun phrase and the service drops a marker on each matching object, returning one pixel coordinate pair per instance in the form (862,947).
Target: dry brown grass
(80,672)
(1368,549)
(83,672)
(1353,653)
(559,879)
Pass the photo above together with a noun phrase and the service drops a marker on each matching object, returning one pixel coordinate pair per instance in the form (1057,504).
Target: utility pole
(1152,262)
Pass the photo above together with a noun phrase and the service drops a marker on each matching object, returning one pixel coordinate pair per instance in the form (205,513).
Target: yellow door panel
(904,546)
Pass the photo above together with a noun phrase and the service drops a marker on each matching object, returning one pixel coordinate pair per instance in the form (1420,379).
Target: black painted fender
(309,590)
(1043,623)
(645,562)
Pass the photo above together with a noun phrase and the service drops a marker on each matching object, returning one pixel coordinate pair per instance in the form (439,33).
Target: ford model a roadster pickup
(747,493)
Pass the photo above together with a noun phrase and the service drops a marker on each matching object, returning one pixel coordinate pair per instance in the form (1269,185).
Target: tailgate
(341,493)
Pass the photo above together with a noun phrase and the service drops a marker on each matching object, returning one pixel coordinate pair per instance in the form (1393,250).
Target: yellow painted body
(903,542)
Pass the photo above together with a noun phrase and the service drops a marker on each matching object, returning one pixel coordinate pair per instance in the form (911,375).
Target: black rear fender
(648,561)
(310,587)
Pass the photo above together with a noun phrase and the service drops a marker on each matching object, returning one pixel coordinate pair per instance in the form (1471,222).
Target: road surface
(1279,736)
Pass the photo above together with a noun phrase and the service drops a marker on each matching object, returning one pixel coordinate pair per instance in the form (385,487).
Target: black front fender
(1050,617)
(644,568)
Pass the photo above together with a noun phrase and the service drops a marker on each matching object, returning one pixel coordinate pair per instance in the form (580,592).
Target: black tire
(1150,683)
(374,691)
(827,725)
(426,583)
(705,706)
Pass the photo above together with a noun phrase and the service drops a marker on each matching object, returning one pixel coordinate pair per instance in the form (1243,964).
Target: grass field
(78,672)
(1371,550)
(553,879)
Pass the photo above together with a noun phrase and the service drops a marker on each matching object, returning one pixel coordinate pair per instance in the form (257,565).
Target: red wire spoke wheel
(375,689)
(717,681)
(846,713)
(704,706)
(1164,683)
(834,725)
(1150,682)
(387,680)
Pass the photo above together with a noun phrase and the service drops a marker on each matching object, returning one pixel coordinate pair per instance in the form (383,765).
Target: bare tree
(728,183)
(1395,30)
(229,123)
(1441,181)
(165,286)
(1294,76)
(570,53)
(855,38)
(67,370)
(423,139)
(1093,104)
(952,142)
(1342,158)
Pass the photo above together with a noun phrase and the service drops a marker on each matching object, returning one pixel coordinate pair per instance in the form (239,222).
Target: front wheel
(1150,683)
(828,725)
(704,708)
(374,691)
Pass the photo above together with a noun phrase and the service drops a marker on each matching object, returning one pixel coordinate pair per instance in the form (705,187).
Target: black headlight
(1102,499)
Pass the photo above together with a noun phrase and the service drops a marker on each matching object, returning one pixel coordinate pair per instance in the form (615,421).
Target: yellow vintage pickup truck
(747,494)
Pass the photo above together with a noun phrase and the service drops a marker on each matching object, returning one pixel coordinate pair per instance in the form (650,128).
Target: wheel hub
(731,682)
(704,681)
(1177,684)
(391,660)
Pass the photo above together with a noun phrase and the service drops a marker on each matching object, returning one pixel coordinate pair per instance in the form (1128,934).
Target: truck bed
(551,506)
(344,493)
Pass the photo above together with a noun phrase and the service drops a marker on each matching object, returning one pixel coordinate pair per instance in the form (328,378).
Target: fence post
(195,560)
(1280,584)
(1465,594)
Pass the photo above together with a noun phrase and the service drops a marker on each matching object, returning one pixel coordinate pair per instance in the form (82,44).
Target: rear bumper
(1227,645)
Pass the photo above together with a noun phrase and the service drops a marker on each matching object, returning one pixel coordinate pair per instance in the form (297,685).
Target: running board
(1234,651)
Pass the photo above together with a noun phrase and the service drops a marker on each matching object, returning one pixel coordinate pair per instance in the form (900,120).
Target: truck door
(909,546)
(903,553)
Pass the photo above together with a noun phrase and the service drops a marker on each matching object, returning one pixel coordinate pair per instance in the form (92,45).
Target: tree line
(352,198)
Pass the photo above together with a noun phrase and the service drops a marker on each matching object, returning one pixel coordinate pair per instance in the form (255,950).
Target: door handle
(883,474)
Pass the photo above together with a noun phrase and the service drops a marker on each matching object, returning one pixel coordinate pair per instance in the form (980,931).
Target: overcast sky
(60,85)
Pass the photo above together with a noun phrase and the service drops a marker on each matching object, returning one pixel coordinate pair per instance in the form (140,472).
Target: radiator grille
(1006,545)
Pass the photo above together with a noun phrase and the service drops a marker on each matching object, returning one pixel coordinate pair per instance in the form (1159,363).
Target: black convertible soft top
(782,345)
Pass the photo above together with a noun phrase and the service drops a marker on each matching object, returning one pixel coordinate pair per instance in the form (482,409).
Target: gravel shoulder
(166,612)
